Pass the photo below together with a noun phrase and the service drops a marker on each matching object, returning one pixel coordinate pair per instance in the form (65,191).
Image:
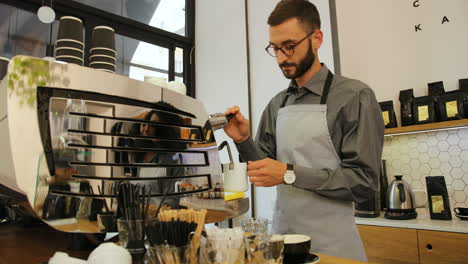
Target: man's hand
(266,172)
(238,127)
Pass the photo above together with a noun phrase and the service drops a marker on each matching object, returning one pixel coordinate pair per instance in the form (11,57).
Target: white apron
(303,139)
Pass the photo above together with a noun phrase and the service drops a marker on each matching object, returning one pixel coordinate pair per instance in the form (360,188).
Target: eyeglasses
(287,50)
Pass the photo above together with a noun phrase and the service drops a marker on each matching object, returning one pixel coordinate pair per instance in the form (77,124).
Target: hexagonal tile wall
(436,153)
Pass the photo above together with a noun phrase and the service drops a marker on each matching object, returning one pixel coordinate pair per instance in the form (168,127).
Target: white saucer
(462,217)
(317,260)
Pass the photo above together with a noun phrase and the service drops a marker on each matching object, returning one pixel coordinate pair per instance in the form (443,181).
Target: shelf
(426,127)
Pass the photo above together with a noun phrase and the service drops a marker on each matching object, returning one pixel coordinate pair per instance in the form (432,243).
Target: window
(168,15)
(153,37)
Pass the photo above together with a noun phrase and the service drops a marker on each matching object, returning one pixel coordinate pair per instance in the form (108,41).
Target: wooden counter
(37,244)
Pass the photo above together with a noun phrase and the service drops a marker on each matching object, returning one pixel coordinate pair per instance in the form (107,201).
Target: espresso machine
(70,134)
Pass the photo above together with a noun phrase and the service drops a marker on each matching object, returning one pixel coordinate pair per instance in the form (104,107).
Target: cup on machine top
(66,51)
(70,29)
(102,58)
(110,67)
(70,59)
(103,37)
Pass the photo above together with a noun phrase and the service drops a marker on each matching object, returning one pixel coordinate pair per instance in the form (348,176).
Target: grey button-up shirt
(356,129)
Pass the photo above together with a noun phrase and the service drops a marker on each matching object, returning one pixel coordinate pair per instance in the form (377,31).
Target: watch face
(289,177)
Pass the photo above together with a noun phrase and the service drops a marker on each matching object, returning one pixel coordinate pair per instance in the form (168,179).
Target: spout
(226,144)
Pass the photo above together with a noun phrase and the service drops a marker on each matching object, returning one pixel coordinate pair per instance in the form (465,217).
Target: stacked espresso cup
(102,55)
(69,46)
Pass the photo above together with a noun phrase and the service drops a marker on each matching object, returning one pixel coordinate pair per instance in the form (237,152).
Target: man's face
(291,32)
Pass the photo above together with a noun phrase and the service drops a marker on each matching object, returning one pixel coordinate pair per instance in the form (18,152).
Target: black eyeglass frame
(291,48)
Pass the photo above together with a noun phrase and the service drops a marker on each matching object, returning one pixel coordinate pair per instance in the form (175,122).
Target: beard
(301,68)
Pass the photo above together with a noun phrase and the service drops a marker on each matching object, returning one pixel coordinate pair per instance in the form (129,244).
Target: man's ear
(317,39)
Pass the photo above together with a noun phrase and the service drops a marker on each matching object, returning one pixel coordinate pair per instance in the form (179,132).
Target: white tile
(424,158)
(466,200)
(403,139)
(417,185)
(412,142)
(396,163)
(453,139)
(460,205)
(463,133)
(415,173)
(405,169)
(465,179)
(465,167)
(456,173)
(422,137)
(445,168)
(415,164)
(422,147)
(395,154)
(463,144)
(444,156)
(450,190)
(458,185)
(442,135)
(414,154)
(434,163)
(434,152)
(425,169)
(448,179)
(403,148)
(464,155)
(459,196)
(443,146)
(435,172)
(432,141)
(405,159)
(454,151)
(452,131)
(455,162)
(407,178)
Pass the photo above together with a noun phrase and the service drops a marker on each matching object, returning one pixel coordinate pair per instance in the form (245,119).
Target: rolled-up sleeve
(360,153)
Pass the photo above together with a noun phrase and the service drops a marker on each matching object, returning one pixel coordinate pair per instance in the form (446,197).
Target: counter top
(423,221)
(27,245)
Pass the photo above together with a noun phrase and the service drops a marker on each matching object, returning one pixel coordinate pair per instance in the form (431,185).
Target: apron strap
(326,88)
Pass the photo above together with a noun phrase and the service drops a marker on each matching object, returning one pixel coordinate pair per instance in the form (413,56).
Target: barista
(319,141)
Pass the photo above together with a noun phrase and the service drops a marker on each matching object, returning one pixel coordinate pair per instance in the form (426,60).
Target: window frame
(130,28)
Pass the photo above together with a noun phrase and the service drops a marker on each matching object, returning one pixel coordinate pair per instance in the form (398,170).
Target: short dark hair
(303,10)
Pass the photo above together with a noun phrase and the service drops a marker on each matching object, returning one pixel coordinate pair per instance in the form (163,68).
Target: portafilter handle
(219,120)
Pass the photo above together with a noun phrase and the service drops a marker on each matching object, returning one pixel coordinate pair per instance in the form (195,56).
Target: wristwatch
(289,177)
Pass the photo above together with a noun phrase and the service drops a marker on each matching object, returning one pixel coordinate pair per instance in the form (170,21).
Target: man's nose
(280,57)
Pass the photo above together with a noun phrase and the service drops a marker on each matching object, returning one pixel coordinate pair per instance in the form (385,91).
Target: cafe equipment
(66,130)
(400,200)
(437,195)
(406,107)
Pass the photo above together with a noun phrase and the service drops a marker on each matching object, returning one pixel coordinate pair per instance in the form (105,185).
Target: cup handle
(456,210)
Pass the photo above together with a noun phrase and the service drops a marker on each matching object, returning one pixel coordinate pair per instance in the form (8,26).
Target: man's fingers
(255,165)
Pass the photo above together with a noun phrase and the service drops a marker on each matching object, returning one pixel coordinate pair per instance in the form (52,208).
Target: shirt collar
(315,84)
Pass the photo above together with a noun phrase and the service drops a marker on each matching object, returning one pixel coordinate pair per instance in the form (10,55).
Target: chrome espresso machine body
(69,135)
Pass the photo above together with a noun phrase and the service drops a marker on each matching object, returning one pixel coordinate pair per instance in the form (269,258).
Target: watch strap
(289,167)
